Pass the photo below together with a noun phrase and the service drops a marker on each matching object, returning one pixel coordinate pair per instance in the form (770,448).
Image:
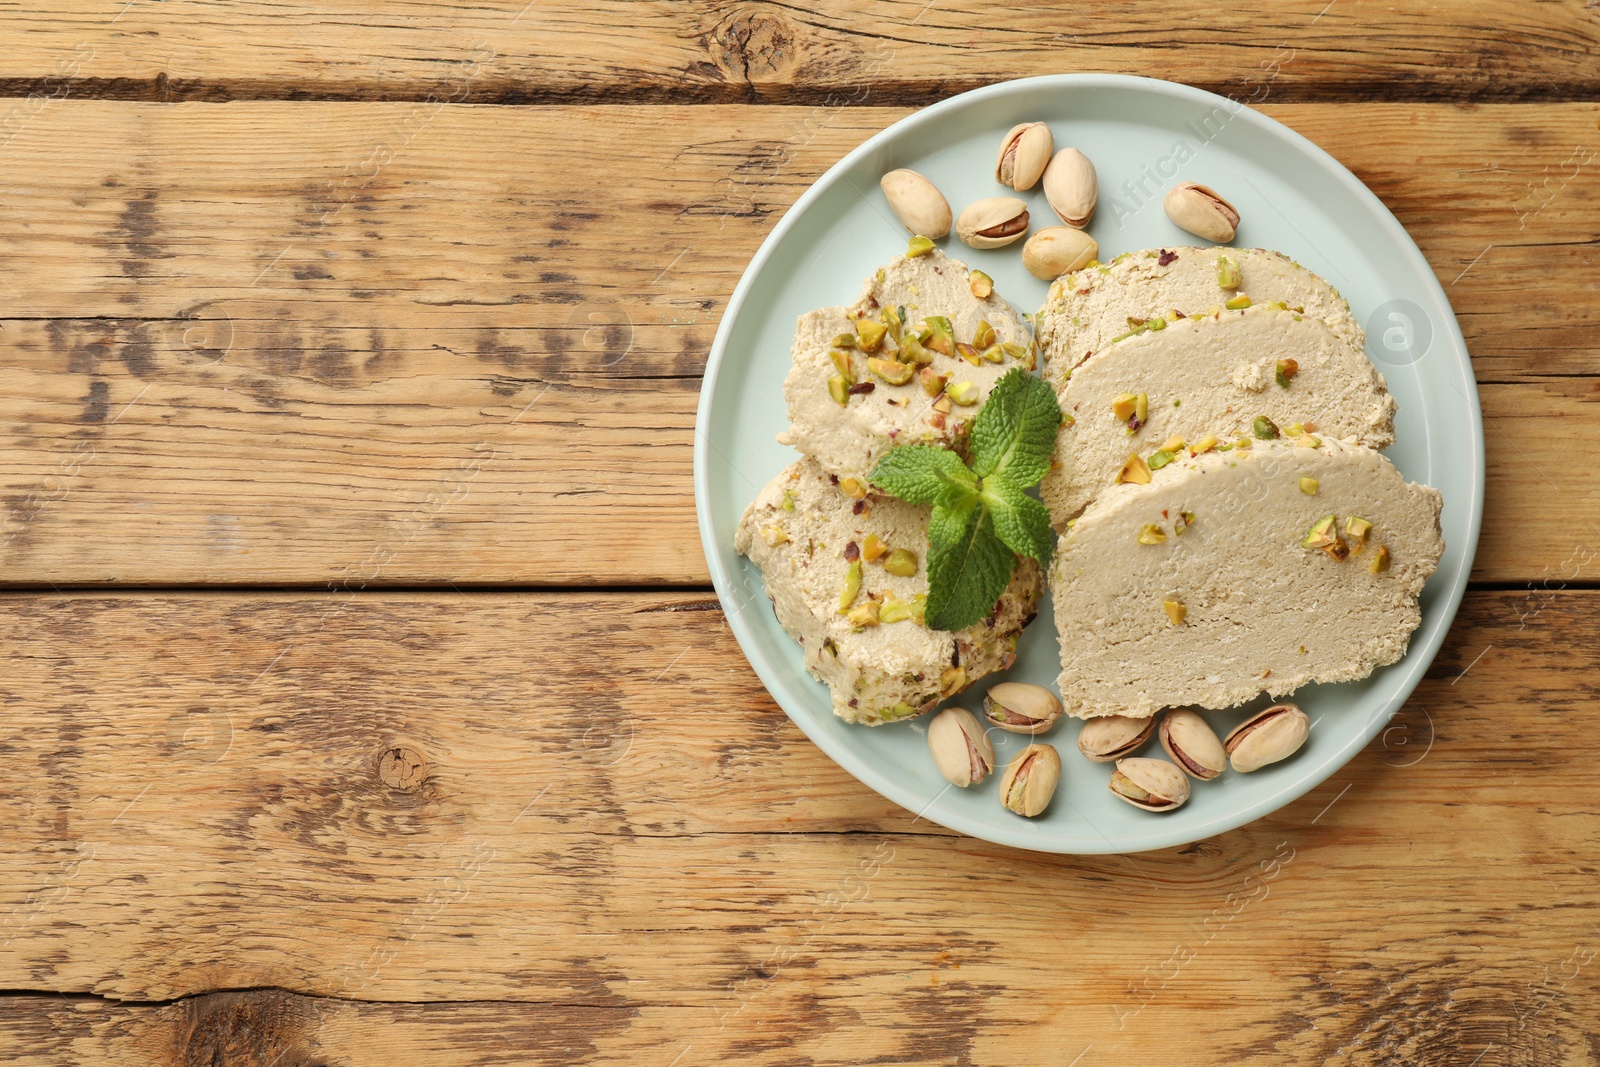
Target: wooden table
(366,699)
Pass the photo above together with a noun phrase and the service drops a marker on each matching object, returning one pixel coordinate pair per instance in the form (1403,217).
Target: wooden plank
(1528,429)
(242,348)
(1421,1006)
(887,51)
(585,806)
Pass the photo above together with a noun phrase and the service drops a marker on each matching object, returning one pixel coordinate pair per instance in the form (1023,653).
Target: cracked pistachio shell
(1024,155)
(1021,708)
(1275,734)
(1030,780)
(1202,212)
(1193,744)
(1058,250)
(992,222)
(961,750)
(1072,187)
(1111,737)
(1151,784)
(917,203)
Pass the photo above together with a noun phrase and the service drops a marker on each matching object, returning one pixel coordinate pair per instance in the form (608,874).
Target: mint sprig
(982,515)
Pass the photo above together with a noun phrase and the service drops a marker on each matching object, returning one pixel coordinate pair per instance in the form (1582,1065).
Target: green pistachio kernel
(963,393)
(911,349)
(1321,534)
(1228,276)
(841,363)
(894,611)
(863,614)
(839,389)
(892,321)
(852,586)
(902,562)
(869,334)
(891,371)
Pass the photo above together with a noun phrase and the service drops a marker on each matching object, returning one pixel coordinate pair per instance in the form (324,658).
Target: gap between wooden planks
(884,52)
(585,806)
(241,347)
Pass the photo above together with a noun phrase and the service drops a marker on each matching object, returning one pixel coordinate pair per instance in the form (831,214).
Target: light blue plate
(1144,136)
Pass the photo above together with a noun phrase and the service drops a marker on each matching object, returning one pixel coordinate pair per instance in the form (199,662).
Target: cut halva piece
(1211,375)
(897,400)
(1238,573)
(1087,309)
(808,537)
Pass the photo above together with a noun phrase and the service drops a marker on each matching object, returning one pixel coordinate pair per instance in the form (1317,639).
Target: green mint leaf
(1019,520)
(968,566)
(947,526)
(1014,436)
(921,474)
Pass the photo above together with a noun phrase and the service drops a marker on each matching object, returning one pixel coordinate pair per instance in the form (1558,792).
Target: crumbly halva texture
(1224,577)
(1087,309)
(848,439)
(1211,374)
(800,530)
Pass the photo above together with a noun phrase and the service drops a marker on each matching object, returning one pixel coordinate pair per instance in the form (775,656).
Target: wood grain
(585,806)
(398,340)
(1419,1007)
(883,52)
(246,345)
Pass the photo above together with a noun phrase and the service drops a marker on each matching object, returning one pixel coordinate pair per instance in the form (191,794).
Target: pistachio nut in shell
(1021,708)
(1030,780)
(1024,154)
(1193,744)
(1202,212)
(1057,250)
(1072,187)
(917,203)
(1151,784)
(1275,734)
(1111,737)
(993,222)
(961,750)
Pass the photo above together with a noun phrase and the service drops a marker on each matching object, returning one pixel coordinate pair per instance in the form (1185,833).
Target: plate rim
(1417,659)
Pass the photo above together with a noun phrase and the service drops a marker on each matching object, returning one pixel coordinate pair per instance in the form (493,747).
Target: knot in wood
(402,769)
(752,42)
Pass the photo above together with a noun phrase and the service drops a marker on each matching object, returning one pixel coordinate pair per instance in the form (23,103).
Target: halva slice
(1086,310)
(1232,574)
(848,580)
(910,362)
(1206,380)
